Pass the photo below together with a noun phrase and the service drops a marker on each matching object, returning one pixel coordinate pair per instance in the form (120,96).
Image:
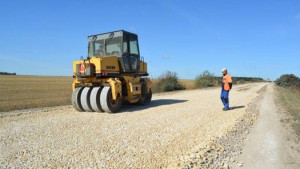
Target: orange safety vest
(226,80)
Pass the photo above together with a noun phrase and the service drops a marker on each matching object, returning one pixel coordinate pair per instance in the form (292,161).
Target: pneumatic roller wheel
(85,99)
(95,99)
(107,103)
(76,99)
(146,98)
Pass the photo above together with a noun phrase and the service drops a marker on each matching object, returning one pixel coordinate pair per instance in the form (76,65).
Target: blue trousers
(225,98)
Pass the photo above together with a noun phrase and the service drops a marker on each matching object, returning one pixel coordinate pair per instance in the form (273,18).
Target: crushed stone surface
(173,130)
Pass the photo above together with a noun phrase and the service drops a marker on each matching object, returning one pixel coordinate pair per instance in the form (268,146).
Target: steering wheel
(115,52)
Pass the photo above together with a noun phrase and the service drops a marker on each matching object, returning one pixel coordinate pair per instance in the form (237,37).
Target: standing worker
(226,86)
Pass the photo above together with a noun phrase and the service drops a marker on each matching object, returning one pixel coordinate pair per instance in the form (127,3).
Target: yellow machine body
(106,67)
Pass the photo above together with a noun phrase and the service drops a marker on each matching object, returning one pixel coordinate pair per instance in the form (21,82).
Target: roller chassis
(112,73)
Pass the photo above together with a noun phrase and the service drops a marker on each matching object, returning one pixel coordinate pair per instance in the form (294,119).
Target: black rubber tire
(76,99)
(146,99)
(107,103)
(85,99)
(95,99)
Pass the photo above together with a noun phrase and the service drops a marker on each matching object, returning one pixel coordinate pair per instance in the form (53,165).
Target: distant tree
(288,80)
(167,82)
(206,79)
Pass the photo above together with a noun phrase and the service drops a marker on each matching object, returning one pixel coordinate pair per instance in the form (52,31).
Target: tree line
(168,81)
(7,73)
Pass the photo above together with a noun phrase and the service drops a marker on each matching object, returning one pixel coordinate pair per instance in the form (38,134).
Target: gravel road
(155,136)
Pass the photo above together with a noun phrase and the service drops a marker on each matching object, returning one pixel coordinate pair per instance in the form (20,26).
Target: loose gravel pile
(164,134)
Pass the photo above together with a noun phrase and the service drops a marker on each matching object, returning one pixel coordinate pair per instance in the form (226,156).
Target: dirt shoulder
(270,144)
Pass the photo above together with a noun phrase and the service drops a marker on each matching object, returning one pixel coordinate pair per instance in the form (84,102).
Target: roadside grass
(21,92)
(290,100)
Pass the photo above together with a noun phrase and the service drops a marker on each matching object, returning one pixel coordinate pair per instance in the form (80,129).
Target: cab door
(131,55)
(134,56)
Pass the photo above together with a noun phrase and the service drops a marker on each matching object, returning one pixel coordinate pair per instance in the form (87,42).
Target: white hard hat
(224,69)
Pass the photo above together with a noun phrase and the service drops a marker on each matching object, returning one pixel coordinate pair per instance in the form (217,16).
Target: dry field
(170,132)
(187,83)
(22,92)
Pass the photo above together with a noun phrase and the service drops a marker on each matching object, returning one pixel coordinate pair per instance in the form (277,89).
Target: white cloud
(166,56)
(132,28)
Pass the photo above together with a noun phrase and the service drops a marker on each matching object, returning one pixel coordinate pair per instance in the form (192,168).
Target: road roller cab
(112,73)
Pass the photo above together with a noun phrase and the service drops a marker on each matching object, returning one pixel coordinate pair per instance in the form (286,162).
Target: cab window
(113,46)
(125,49)
(133,46)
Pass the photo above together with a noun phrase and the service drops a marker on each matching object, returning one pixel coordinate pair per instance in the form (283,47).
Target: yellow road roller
(113,73)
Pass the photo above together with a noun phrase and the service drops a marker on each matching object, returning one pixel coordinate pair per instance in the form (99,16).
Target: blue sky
(250,38)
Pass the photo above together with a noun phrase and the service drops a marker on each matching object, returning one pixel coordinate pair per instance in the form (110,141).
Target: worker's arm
(230,81)
(230,85)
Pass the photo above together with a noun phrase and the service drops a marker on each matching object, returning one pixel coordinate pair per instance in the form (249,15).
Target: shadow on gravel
(236,107)
(153,103)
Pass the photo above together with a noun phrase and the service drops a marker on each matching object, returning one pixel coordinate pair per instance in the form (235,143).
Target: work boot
(224,109)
